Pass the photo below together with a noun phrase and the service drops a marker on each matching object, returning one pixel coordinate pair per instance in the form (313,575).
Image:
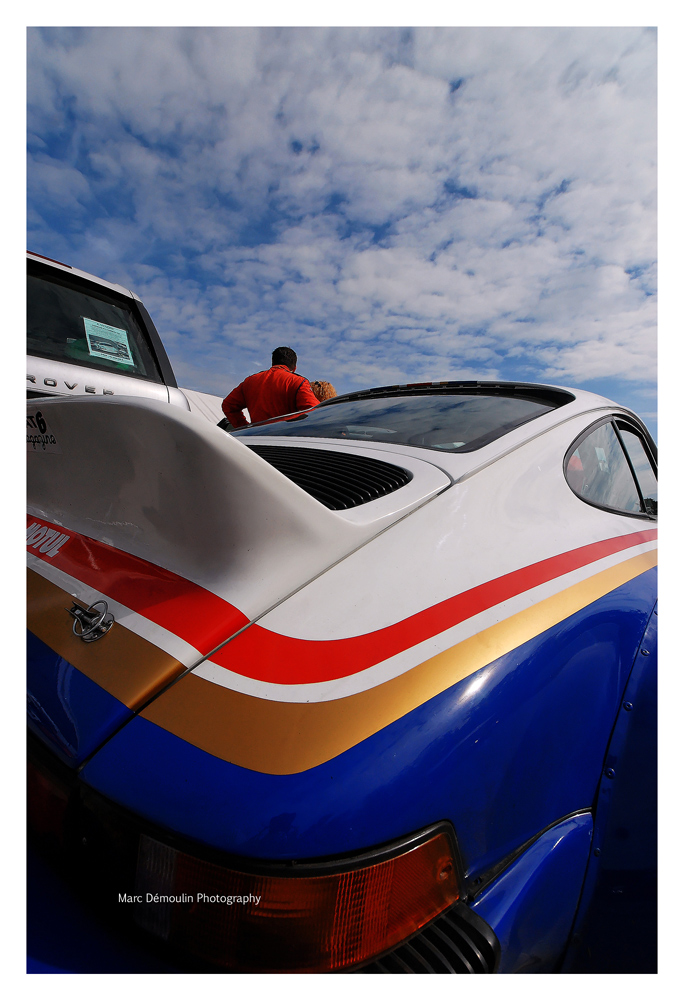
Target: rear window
(442,422)
(85,325)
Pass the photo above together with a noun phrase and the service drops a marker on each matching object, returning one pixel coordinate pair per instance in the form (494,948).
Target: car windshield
(84,325)
(447,422)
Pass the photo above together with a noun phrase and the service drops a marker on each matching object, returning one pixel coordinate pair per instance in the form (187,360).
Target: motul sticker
(38,434)
(46,540)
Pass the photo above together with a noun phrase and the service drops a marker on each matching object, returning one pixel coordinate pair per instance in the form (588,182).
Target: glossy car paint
(618,909)
(459,652)
(531,907)
(65,708)
(503,754)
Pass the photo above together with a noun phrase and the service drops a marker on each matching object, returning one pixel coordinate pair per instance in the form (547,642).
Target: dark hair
(284,356)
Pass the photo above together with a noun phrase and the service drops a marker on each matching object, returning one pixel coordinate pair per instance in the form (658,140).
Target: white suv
(87,336)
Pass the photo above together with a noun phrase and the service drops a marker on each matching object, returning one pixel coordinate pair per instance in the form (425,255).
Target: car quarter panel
(180,572)
(498,518)
(503,754)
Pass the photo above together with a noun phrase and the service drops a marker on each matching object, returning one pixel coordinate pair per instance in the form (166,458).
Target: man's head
(284,356)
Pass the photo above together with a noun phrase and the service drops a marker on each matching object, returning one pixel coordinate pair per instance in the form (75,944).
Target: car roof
(58,265)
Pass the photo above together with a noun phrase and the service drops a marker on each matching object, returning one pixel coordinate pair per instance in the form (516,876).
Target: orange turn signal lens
(292,923)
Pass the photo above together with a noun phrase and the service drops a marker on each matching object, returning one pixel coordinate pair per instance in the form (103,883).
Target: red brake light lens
(298,923)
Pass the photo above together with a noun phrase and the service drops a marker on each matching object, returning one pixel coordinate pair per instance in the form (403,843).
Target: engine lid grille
(457,942)
(334,478)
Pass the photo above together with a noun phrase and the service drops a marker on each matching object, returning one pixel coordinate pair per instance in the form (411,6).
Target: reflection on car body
(374,695)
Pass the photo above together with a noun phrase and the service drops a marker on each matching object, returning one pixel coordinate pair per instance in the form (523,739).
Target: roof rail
(51,259)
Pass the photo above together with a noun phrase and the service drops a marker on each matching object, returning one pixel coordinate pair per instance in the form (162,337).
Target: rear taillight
(314,921)
(46,800)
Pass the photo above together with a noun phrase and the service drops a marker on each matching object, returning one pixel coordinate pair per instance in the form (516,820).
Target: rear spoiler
(165,485)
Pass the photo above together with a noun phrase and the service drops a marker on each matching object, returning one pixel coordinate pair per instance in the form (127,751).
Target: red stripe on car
(204,620)
(184,608)
(268,656)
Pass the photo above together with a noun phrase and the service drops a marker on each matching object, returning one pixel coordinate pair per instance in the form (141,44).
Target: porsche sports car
(369,687)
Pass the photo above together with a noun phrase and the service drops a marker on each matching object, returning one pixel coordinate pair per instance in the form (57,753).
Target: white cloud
(397,204)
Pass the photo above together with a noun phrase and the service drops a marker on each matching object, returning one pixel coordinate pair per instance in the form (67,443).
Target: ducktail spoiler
(154,481)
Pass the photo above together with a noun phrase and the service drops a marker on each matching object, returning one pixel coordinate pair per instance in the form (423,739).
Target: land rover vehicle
(87,336)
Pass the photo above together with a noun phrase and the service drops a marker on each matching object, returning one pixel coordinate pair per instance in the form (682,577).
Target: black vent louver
(334,478)
(457,942)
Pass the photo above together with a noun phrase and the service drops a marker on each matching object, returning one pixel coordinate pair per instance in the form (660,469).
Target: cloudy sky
(396,204)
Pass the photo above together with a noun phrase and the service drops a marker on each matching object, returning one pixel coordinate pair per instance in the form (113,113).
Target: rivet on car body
(609,772)
(645,652)
(597,852)
(628,706)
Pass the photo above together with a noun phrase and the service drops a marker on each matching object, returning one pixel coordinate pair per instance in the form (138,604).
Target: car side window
(642,466)
(598,471)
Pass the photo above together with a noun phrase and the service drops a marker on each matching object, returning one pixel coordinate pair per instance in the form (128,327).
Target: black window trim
(614,419)
(630,426)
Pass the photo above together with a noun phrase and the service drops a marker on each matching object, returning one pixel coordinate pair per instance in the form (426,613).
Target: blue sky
(396,204)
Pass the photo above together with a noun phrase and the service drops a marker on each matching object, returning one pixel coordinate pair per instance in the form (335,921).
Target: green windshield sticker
(108,342)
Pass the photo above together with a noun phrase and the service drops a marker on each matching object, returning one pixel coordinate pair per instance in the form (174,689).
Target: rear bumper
(520,922)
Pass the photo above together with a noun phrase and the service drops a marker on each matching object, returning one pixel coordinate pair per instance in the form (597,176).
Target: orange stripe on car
(127,666)
(286,738)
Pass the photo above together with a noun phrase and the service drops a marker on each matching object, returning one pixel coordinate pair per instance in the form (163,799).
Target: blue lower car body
(513,756)
(502,755)
(531,907)
(70,713)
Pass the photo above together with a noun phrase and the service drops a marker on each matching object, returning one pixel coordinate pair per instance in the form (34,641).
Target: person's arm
(233,405)
(305,397)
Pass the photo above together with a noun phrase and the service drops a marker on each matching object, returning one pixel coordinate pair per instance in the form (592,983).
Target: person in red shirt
(270,393)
